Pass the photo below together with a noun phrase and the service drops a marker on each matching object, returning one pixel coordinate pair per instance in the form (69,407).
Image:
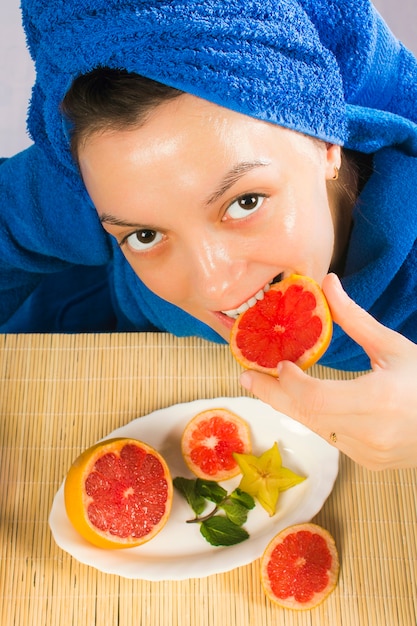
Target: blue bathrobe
(61,272)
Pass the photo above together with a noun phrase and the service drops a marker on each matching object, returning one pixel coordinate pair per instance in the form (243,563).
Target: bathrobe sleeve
(44,227)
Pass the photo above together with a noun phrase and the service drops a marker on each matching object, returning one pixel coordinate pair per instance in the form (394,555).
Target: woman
(234,178)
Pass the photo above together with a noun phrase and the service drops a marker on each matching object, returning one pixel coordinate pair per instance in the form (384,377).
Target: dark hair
(110,99)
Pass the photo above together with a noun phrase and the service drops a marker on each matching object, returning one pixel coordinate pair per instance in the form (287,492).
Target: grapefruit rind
(76,499)
(321,311)
(290,602)
(188,444)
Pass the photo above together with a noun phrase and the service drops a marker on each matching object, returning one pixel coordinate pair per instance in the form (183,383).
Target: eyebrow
(108,218)
(232,177)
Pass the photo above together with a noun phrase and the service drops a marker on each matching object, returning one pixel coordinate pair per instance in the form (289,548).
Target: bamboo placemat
(61,393)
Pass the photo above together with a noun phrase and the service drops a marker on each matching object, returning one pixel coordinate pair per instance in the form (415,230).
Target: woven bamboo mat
(60,394)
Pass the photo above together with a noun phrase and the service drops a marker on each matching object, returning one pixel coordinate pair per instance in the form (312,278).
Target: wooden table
(61,393)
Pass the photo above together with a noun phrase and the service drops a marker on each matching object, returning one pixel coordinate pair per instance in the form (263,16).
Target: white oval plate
(179,551)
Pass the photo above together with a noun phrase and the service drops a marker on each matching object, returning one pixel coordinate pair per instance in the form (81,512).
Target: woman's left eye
(243,206)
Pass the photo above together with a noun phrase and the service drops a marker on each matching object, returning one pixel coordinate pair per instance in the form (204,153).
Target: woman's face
(209,206)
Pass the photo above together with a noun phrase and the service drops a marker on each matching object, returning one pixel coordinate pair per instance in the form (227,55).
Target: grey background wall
(16,70)
(401,16)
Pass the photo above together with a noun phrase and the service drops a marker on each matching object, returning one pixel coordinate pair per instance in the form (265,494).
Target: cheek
(319,242)
(315,216)
(158,275)
(305,235)
(318,232)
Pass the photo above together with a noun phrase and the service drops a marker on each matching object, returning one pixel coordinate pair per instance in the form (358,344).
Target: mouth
(234,313)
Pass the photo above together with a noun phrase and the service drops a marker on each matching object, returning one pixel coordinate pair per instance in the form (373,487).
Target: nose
(217,268)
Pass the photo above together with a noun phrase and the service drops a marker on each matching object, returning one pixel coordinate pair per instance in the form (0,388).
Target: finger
(304,394)
(378,341)
(284,396)
(358,451)
(338,419)
(323,406)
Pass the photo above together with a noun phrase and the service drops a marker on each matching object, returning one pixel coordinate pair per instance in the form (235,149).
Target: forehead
(185,152)
(196,129)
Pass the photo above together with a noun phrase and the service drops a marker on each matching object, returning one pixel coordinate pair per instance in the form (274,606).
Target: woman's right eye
(143,239)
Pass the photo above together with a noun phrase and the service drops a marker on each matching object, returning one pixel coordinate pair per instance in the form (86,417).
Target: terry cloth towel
(292,62)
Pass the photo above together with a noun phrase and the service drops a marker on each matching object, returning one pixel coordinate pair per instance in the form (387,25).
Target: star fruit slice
(264,477)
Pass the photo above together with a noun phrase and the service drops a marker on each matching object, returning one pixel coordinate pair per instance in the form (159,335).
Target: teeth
(234,313)
(243,307)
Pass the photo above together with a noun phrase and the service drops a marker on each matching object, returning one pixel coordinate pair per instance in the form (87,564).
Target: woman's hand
(373,418)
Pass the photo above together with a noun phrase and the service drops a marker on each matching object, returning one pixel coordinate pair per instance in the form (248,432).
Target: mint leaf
(187,487)
(210,490)
(235,512)
(220,531)
(245,499)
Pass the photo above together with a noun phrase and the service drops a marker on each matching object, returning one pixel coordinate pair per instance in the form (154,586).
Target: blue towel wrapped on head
(327,68)
(263,59)
(297,63)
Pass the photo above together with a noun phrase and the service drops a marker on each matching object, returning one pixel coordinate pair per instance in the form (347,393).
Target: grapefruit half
(209,441)
(118,493)
(291,323)
(300,566)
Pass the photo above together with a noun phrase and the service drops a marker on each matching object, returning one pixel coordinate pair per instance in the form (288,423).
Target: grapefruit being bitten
(291,323)
(209,441)
(118,493)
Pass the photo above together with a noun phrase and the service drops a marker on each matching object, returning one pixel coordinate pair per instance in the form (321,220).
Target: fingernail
(246,380)
(279,368)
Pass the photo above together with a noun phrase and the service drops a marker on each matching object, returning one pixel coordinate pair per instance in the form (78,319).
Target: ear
(333,160)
